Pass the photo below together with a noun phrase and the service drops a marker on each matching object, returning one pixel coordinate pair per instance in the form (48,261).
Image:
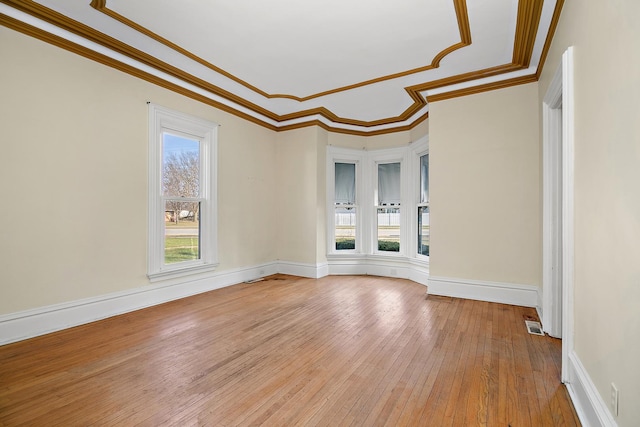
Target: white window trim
(366,200)
(165,120)
(344,156)
(418,149)
(392,155)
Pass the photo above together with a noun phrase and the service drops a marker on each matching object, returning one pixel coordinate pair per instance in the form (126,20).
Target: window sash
(388,229)
(423,230)
(345,183)
(164,122)
(424,178)
(345,228)
(389,188)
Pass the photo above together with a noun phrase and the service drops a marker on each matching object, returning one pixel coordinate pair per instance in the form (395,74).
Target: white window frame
(343,156)
(163,120)
(418,149)
(367,199)
(393,155)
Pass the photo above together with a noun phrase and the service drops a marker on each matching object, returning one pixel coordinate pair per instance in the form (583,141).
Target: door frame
(558,129)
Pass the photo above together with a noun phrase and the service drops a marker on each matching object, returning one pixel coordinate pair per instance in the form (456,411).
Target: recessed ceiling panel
(355,66)
(301,48)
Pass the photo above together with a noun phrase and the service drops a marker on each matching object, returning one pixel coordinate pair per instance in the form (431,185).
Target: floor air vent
(534,328)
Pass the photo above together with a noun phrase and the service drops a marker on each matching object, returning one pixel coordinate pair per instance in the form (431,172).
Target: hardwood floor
(288,351)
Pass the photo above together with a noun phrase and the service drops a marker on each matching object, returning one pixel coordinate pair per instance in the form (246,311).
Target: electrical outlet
(614,399)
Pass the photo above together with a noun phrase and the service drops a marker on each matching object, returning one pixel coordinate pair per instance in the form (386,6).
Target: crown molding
(529,12)
(464,30)
(552,31)
(528,20)
(483,88)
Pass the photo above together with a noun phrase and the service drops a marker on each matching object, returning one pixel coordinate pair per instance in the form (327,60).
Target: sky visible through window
(173,144)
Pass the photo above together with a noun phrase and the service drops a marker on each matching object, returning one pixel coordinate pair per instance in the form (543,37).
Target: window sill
(181,272)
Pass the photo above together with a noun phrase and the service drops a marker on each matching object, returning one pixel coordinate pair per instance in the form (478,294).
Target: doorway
(557,217)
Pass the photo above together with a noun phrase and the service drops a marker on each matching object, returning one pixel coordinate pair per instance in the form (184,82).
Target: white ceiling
(354,66)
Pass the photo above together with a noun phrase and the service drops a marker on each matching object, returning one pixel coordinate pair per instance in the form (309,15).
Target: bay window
(378,204)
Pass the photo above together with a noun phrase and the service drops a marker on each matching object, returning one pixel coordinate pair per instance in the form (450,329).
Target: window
(378,203)
(388,207)
(345,206)
(182,194)
(423,207)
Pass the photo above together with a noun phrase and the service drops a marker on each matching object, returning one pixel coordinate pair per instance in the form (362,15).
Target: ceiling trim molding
(355,132)
(528,20)
(83,51)
(464,29)
(48,15)
(483,88)
(466,77)
(45,36)
(552,31)
(523,41)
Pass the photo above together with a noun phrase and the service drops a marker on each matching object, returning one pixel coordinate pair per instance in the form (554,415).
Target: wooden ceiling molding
(464,29)
(527,32)
(529,12)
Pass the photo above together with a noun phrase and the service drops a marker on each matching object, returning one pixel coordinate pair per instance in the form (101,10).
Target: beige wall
(321,207)
(606,38)
(73,177)
(376,142)
(484,182)
(73,172)
(298,195)
(419,131)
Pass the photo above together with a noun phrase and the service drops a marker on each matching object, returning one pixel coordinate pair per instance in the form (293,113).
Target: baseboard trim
(400,267)
(313,271)
(590,407)
(43,320)
(31,323)
(504,293)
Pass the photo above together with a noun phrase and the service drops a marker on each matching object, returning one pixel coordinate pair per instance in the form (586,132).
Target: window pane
(424,179)
(388,183)
(345,183)
(180,166)
(345,228)
(389,229)
(181,231)
(423,230)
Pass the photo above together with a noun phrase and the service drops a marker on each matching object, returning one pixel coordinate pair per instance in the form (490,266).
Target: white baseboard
(504,293)
(401,267)
(590,407)
(314,271)
(39,321)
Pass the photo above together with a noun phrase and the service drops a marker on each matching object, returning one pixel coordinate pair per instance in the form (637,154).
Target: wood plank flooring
(289,351)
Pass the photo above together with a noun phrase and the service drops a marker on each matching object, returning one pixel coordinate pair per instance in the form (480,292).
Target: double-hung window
(378,202)
(345,207)
(423,206)
(387,208)
(182,194)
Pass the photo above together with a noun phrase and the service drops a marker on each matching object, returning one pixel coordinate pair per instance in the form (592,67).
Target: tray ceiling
(354,66)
